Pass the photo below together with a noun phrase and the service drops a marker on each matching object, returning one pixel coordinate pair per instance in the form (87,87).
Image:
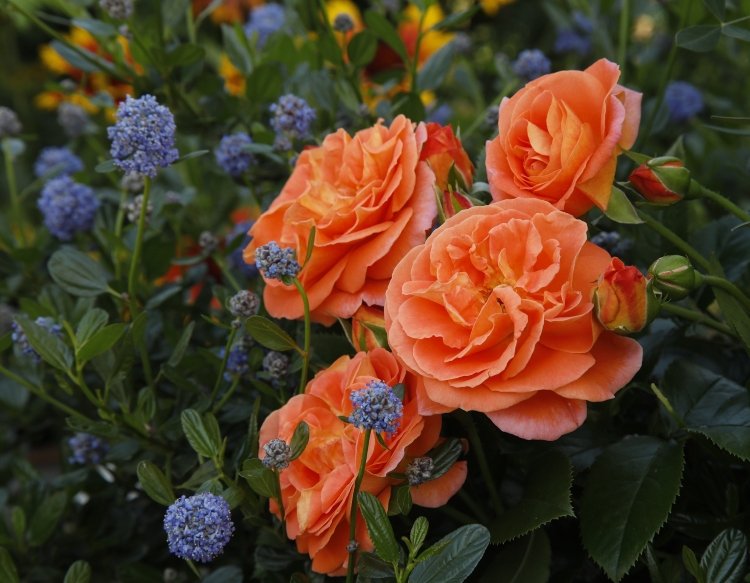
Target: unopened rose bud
(674,276)
(622,300)
(368,329)
(452,202)
(662,181)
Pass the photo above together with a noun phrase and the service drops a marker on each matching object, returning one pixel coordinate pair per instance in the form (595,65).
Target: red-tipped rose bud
(368,329)
(446,157)
(452,202)
(623,300)
(662,181)
(674,276)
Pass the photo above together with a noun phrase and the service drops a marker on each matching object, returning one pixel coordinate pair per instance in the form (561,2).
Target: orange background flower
(317,487)
(370,199)
(559,138)
(495,312)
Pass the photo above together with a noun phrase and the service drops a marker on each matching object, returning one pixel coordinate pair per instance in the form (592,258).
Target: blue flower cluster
(232,154)
(198,527)
(576,39)
(57,161)
(276,263)
(237,362)
(376,407)
(21,341)
(264,21)
(683,100)
(87,449)
(67,207)
(292,117)
(531,64)
(143,136)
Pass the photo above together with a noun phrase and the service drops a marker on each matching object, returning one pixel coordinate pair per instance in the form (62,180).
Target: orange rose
(370,199)
(317,487)
(495,312)
(368,329)
(559,138)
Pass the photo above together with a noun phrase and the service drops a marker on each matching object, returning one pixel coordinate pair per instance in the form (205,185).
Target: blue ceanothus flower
(67,207)
(232,154)
(55,161)
(376,407)
(275,262)
(198,527)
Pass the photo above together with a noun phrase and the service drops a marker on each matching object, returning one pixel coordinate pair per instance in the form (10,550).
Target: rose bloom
(495,312)
(559,138)
(370,198)
(317,487)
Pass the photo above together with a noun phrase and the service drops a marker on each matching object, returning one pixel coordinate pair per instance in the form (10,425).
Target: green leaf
(265,83)
(51,348)
(724,559)
(105,167)
(198,436)
(410,105)
(362,48)
(385,31)
(546,497)
(269,334)
(462,550)
(79,572)
(299,440)
(100,342)
(191,155)
(444,456)
(418,533)
(18,522)
(734,314)
(433,72)
(155,483)
(93,321)
(212,430)
(261,479)
(185,54)
(526,560)
(700,39)
(716,7)
(45,519)
(620,209)
(95,27)
(400,502)
(379,527)
(692,566)
(627,498)
(181,346)
(734,31)
(8,573)
(710,405)
(77,273)
(456,19)
(229,574)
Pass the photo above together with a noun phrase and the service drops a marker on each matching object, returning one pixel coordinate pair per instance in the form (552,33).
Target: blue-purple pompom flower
(57,161)
(684,100)
(376,407)
(292,117)
(275,262)
(531,64)
(143,137)
(238,362)
(87,449)
(198,527)
(67,207)
(264,21)
(232,154)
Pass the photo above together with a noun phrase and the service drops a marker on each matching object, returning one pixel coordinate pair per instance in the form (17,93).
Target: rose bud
(451,202)
(662,181)
(674,276)
(446,157)
(368,328)
(623,301)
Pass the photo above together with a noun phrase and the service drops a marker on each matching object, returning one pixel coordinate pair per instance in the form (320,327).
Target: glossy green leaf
(260,478)
(269,334)
(100,342)
(620,209)
(717,7)
(362,48)
(299,440)
(418,533)
(734,31)
(8,572)
(93,321)
(433,72)
(379,25)
(461,551)
(628,495)
(77,273)
(155,483)
(49,346)
(203,442)
(692,565)
(379,527)
(710,405)
(79,572)
(546,497)
(181,346)
(724,559)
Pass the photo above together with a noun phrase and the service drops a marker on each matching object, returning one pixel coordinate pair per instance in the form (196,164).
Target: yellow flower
(336,7)
(234,80)
(431,41)
(492,7)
